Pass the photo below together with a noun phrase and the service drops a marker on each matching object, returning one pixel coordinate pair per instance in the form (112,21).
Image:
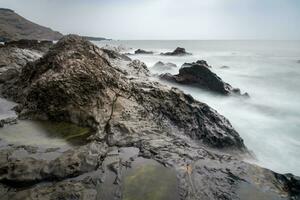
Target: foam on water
(269,122)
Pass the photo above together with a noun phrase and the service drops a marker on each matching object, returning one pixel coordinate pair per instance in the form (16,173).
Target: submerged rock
(78,82)
(177,52)
(199,75)
(224,67)
(141,51)
(164,66)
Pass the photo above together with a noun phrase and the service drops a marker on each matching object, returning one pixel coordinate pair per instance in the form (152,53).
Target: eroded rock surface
(199,75)
(80,83)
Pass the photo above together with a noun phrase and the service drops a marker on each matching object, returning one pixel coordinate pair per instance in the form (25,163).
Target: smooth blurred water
(269,122)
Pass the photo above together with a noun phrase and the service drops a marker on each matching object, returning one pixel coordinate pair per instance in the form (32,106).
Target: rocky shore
(138,129)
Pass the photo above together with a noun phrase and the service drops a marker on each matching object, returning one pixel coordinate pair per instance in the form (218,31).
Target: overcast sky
(166,19)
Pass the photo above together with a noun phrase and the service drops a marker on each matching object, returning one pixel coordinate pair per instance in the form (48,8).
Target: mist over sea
(269,122)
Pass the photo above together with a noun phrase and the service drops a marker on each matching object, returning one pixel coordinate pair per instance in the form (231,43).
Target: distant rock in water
(164,66)
(15,27)
(177,52)
(224,67)
(141,51)
(298,61)
(199,75)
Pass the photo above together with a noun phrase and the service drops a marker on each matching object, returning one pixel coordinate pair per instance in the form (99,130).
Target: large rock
(177,52)
(78,82)
(199,75)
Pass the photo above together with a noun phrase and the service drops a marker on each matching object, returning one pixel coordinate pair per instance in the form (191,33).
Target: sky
(166,19)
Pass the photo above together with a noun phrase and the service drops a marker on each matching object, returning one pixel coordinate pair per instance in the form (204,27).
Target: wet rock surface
(142,129)
(179,51)
(199,75)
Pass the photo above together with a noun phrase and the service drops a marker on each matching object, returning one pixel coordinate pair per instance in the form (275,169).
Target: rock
(298,61)
(13,58)
(224,67)
(164,66)
(80,83)
(177,52)
(199,75)
(141,51)
(115,55)
(8,121)
(203,62)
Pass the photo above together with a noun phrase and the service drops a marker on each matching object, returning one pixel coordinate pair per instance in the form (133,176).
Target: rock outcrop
(80,83)
(141,51)
(15,27)
(198,74)
(177,52)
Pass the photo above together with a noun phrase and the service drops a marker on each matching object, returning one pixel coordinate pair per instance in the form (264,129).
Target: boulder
(177,52)
(141,51)
(199,75)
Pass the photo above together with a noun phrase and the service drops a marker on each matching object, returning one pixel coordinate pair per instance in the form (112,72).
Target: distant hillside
(14,27)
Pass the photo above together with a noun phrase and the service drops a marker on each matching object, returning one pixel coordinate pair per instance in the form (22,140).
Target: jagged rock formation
(199,75)
(177,52)
(141,51)
(80,83)
(15,27)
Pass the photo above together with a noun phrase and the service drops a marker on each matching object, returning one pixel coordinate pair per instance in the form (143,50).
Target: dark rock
(141,51)
(177,52)
(199,75)
(298,61)
(203,62)
(164,66)
(115,55)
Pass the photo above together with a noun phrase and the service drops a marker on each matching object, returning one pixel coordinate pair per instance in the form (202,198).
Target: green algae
(150,182)
(44,133)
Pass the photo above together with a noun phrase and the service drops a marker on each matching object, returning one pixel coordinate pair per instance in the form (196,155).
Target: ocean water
(269,121)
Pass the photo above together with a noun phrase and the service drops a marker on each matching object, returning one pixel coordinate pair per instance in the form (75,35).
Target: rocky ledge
(177,52)
(75,81)
(198,74)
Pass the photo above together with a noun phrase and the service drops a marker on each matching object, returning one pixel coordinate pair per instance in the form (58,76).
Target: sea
(268,121)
